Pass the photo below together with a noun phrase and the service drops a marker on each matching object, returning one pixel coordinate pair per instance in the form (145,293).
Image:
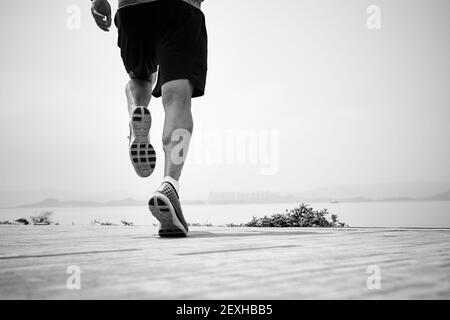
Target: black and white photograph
(225,154)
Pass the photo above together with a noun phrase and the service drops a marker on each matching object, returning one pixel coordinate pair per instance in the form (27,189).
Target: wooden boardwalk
(223,263)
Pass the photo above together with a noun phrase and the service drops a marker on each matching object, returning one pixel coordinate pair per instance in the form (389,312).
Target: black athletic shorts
(169,34)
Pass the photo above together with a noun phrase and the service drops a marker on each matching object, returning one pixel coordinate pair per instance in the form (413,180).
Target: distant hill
(128,202)
(54,203)
(230,198)
(411,189)
(439,196)
(268,197)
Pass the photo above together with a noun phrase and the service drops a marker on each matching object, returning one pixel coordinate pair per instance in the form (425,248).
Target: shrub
(301,216)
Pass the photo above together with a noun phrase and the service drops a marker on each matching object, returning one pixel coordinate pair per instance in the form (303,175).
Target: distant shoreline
(136,203)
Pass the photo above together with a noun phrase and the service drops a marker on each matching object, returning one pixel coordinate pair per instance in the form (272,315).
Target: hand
(101,11)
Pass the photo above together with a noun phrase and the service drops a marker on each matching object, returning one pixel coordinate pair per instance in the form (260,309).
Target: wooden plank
(223,263)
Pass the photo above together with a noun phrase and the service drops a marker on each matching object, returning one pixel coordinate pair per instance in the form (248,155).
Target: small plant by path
(100,223)
(194,224)
(39,219)
(42,218)
(127,223)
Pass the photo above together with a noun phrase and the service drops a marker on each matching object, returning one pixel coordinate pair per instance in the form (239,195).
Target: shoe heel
(141,152)
(162,210)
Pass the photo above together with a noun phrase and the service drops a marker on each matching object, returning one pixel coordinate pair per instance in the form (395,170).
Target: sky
(324,99)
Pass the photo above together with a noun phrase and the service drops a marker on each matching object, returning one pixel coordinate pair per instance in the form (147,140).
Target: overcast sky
(348,105)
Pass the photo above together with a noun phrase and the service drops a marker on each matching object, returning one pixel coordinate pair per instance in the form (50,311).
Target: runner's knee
(177,94)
